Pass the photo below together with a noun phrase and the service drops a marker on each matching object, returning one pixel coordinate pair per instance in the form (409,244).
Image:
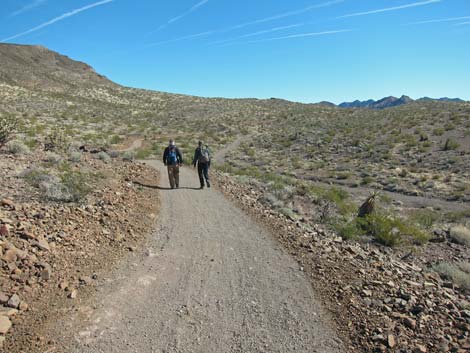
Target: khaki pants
(174,175)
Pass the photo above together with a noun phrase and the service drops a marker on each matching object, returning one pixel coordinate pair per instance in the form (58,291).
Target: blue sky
(301,50)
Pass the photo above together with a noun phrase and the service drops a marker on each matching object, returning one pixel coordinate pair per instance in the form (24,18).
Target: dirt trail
(220,155)
(209,280)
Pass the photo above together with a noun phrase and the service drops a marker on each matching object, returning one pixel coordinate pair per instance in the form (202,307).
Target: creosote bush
(8,125)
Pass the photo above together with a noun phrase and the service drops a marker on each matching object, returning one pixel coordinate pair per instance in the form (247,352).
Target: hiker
(173,159)
(202,157)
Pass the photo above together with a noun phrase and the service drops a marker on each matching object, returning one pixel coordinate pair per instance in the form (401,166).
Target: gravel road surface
(208,280)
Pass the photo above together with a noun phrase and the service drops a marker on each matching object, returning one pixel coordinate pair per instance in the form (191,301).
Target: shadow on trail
(163,187)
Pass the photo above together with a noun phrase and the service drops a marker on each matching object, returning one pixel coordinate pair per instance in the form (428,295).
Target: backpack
(172,156)
(204,157)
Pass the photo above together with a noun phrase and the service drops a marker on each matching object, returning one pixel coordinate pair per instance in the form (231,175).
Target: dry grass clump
(17,147)
(458,273)
(460,234)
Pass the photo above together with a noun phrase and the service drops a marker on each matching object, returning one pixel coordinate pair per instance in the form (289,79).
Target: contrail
(180,38)
(449,19)
(301,35)
(284,15)
(462,24)
(28,7)
(276,29)
(57,19)
(415,4)
(179,17)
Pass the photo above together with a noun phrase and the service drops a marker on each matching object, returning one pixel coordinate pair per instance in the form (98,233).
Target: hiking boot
(208,184)
(201,187)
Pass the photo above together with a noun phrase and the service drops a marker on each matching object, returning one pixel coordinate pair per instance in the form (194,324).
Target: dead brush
(57,140)
(368,206)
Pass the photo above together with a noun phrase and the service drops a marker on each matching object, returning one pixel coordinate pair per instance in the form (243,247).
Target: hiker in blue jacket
(173,159)
(202,157)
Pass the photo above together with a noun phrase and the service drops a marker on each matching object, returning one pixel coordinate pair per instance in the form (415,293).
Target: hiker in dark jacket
(202,157)
(173,159)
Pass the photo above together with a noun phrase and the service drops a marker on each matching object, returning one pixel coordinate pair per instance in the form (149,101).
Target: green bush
(104,156)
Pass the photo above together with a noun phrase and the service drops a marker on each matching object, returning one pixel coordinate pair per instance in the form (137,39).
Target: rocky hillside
(36,67)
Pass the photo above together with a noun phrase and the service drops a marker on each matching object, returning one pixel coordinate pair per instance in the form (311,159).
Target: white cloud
(184,14)
(28,7)
(448,19)
(57,19)
(285,14)
(302,35)
(388,9)
(180,38)
(276,29)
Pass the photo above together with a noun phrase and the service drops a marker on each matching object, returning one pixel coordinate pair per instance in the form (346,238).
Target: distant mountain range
(389,102)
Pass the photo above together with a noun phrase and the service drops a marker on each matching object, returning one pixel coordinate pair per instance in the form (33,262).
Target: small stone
(14,301)
(367,293)
(391,341)
(10,255)
(5,325)
(41,244)
(420,349)
(410,323)
(23,306)
(73,294)
(2,341)
(7,203)
(4,231)
(3,298)
(46,274)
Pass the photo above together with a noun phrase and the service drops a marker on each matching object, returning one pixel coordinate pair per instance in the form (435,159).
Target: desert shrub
(17,147)
(8,125)
(461,235)
(367,180)
(425,218)
(103,156)
(391,231)
(143,153)
(57,140)
(438,132)
(75,185)
(287,212)
(36,176)
(451,144)
(348,230)
(457,273)
(128,156)
(115,139)
(53,158)
(75,157)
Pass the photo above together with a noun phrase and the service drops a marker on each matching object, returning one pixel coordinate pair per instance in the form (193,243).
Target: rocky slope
(51,251)
(385,301)
(38,68)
